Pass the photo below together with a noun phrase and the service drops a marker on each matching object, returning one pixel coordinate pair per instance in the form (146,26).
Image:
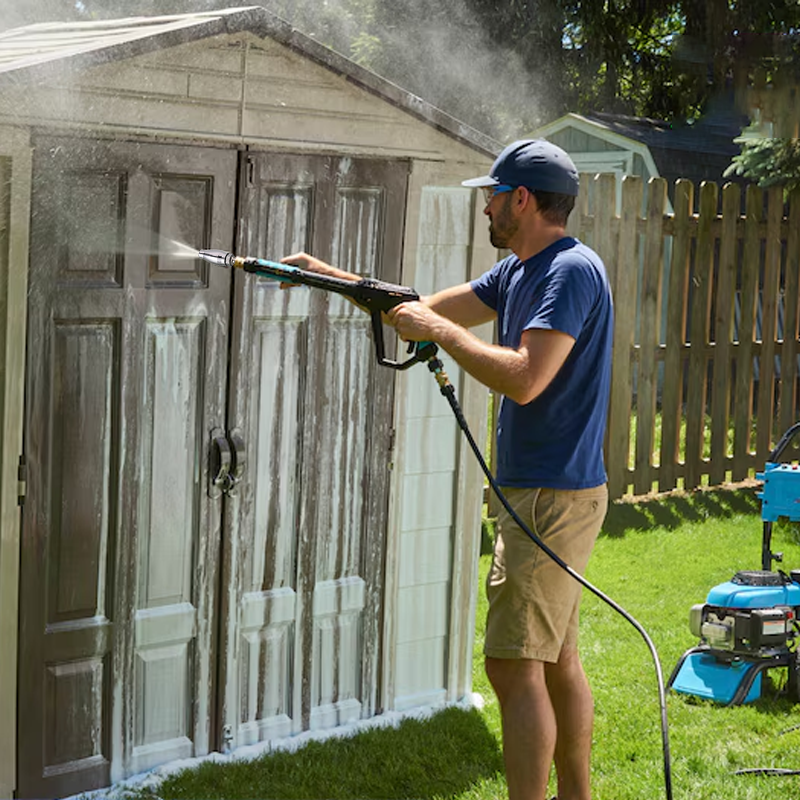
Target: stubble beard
(502,228)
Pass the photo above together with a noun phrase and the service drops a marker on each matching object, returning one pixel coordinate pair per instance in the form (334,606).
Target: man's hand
(415,321)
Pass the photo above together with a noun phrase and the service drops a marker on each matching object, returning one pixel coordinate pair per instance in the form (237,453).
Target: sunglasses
(490,191)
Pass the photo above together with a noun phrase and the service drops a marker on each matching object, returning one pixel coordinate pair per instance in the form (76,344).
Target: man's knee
(511,675)
(567,670)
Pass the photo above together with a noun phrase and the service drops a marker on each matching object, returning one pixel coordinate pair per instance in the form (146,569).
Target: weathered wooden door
(126,377)
(302,594)
(136,646)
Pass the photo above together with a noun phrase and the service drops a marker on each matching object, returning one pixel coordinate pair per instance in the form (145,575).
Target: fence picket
(769,325)
(698,337)
(605,199)
(725,298)
(743,408)
(624,288)
(677,300)
(650,304)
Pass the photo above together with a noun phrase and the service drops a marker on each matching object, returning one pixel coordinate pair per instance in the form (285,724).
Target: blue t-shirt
(556,440)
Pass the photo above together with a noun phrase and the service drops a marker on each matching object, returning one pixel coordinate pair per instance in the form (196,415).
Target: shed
(650,148)
(162,614)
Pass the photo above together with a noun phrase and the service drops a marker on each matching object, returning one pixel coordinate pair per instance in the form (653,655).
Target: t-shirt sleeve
(487,287)
(567,299)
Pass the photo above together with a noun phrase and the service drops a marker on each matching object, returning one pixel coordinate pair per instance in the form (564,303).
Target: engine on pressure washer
(750,624)
(753,613)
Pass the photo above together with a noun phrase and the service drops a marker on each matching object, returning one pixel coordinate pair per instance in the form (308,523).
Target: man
(552,365)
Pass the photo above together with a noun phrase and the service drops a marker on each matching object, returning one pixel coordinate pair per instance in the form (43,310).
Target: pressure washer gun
(373,295)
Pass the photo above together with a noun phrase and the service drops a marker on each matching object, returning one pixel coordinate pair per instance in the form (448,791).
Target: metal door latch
(227,460)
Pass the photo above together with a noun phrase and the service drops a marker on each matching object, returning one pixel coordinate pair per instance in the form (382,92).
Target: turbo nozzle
(221,258)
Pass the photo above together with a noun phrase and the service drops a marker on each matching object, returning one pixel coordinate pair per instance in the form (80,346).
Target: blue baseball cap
(534,164)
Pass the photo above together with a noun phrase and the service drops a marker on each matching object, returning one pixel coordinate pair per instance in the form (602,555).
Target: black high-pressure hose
(447,389)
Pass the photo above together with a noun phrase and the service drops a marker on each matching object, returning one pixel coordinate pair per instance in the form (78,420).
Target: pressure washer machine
(749,624)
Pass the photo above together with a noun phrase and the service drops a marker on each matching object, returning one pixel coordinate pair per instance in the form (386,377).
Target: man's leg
(574,712)
(529,724)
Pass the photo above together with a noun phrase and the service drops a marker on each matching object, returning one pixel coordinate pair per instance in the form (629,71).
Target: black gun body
(373,295)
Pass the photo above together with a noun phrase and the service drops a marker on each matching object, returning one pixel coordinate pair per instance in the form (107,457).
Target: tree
(769,162)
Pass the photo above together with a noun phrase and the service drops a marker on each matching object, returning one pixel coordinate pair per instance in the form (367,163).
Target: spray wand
(376,297)
(372,295)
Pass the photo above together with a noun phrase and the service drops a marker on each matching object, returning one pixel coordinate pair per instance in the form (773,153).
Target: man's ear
(525,199)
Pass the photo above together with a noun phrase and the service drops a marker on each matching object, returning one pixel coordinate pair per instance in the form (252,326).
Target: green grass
(656,558)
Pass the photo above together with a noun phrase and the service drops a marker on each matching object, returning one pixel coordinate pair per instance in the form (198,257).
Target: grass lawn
(656,558)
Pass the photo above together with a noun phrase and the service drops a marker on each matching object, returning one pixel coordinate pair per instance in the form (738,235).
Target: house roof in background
(37,53)
(699,152)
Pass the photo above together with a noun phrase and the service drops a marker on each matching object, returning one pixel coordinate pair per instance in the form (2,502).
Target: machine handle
(783,443)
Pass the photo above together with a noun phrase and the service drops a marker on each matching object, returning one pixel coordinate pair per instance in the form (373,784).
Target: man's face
(502,225)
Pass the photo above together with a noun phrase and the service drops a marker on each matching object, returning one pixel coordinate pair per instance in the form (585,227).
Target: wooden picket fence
(705,361)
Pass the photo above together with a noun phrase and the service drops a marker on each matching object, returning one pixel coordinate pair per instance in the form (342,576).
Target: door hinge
(22,481)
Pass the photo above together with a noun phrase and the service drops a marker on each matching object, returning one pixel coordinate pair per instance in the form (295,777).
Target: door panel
(302,590)
(126,376)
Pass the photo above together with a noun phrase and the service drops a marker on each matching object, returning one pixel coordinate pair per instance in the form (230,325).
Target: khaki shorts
(533,603)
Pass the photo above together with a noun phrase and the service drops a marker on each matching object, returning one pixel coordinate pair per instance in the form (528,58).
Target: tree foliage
(769,162)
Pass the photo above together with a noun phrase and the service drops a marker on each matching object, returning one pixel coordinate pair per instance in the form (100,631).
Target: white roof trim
(600,131)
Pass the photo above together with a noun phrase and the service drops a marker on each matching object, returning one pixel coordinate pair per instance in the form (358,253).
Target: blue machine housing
(780,496)
(735,595)
(702,675)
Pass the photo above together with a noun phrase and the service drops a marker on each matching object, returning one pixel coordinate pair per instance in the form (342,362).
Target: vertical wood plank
(698,337)
(791,295)
(743,387)
(769,325)
(646,389)
(723,334)
(605,203)
(677,302)
(623,289)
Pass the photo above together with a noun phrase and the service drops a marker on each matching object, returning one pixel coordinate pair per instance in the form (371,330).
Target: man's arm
(520,374)
(461,305)
(458,303)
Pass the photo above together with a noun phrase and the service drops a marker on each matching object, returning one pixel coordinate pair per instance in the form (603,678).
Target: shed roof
(700,151)
(36,52)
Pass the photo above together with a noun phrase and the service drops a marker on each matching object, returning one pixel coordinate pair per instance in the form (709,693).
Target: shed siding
(235,87)
(431,544)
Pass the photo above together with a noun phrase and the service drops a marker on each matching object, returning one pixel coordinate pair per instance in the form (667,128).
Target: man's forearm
(501,369)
